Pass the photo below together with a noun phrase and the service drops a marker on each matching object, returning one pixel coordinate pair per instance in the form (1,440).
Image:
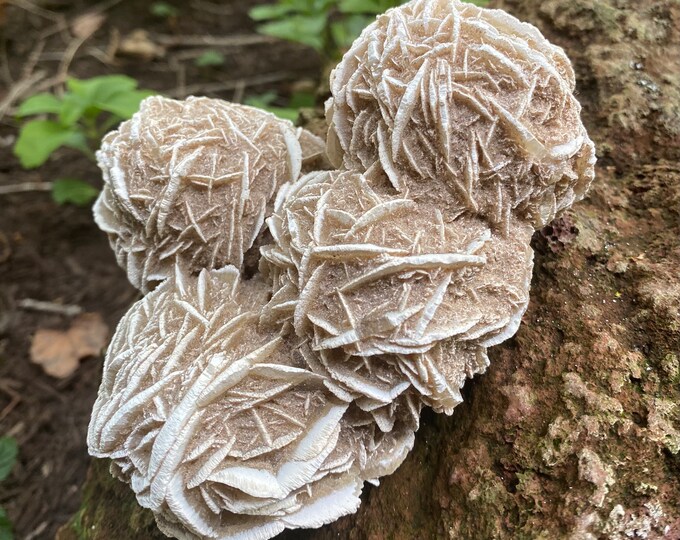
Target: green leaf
(304,29)
(271,11)
(302,99)
(74,191)
(265,101)
(369,7)
(345,32)
(210,58)
(8,456)
(360,6)
(100,89)
(124,104)
(39,138)
(480,3)
(163,10)
(5,526)
(72,109)
(39,104)
(320,6)
(283,112)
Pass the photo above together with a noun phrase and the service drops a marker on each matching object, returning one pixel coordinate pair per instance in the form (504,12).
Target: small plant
(210,58)
(8,457)
(72,190)
(328,26)
(78,119)
(163,10)
(272,102)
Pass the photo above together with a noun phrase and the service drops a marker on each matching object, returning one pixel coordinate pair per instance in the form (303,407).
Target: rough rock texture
(574,431)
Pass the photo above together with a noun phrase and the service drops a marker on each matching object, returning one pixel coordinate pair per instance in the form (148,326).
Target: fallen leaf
(59,352)
(88,334)
(138,43)
(87,24)
(53,350)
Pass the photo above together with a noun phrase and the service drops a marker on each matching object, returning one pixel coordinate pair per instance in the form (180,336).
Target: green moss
(109,511)
(671,367)
(76,524)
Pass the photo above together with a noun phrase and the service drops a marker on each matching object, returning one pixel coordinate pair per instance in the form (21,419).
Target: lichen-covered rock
(191,182)
(464,107)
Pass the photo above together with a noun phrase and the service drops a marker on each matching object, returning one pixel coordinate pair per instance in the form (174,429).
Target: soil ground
(574,431)
(56,253)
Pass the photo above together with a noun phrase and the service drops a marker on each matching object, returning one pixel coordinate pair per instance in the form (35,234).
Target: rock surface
(574,431)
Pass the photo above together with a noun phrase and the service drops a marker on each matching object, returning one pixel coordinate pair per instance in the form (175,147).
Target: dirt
(56,253)
(574,431)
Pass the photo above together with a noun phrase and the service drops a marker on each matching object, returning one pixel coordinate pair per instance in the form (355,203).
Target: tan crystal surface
(223,430)
(463,107)
(191,181)
(410,296)
(313,149)
(379,273)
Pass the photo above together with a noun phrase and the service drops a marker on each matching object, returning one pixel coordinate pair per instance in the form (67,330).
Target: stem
(108,124)
(89,128)
(50,307)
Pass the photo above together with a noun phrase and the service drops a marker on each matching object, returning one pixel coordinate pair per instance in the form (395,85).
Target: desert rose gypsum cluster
(238,407)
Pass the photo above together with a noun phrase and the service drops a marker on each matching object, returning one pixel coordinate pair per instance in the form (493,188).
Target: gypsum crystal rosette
(358,268)
(237,408)
(276,448)
(191,182)
(384,386)
(378,273)
(465,107)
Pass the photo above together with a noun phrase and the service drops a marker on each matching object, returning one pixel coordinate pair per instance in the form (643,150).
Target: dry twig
(50,307)
(27,82)
(25,187)
(5,248)
(232,85)
(4,63)
(212,41)
(19,90)
(36,10)
(15,397)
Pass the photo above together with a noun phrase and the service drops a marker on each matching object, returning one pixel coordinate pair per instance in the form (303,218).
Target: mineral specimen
(238,406)
(191,182)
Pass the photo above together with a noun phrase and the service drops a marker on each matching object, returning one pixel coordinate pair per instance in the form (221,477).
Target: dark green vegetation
(328,26)
(78,119)
(8,457)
